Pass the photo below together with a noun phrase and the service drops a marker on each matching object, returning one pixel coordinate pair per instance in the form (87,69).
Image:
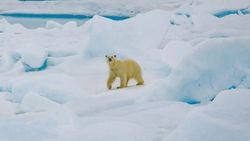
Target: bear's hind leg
(126,85)
(139,80)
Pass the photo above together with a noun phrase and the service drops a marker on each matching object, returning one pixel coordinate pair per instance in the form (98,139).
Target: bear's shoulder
(117,65)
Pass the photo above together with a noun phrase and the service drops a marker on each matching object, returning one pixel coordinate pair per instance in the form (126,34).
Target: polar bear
(125,70)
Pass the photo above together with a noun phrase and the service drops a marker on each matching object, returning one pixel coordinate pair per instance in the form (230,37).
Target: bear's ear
(115,56)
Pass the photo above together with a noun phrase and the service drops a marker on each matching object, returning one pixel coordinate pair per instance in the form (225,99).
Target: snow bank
(24,59)
(46,85)
(217,65)
(52,25)
(119,118)
(226,118)
(126,38)
(40,125)
(33,58)
(33,102)
(176,51)
(7,108)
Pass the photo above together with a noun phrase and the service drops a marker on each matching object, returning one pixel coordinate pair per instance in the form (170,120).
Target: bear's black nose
(109,59)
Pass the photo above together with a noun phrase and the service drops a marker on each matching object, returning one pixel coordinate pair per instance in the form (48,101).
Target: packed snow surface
(227,118)
(195,59)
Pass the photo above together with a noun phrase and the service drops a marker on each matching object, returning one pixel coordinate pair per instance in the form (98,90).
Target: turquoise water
(224,13)
(30,20)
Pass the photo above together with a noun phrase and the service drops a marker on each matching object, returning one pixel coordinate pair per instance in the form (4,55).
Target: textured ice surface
(53,79)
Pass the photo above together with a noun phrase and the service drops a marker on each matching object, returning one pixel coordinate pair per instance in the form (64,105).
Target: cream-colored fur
(125,70)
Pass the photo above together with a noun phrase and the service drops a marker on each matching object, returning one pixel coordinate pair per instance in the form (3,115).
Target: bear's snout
(110,60)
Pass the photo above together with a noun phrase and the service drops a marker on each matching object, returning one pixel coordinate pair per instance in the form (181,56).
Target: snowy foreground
(196,66)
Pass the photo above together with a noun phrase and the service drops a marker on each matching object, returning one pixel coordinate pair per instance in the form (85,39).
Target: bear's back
(132,67)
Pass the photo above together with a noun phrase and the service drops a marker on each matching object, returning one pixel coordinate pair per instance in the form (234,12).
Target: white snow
(182,48)
(195,58)
(144,35)
(226,118)
(7,108)
(217,64)
(47,85)
(32,58)
(35,103)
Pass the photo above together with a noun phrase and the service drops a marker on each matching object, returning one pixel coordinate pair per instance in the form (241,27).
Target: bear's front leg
(123,80)
(110,80)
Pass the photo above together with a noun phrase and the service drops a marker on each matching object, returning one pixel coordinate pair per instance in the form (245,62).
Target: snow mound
(33,59)
(7,61)
(218,64)
(226,118)
(70,25)
(125,37)
(40,125)
(36,103)
(6,107)
(46,85)
(52,25)
(182,48)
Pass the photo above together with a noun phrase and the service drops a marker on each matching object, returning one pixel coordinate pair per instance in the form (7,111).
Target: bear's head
(111,59)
